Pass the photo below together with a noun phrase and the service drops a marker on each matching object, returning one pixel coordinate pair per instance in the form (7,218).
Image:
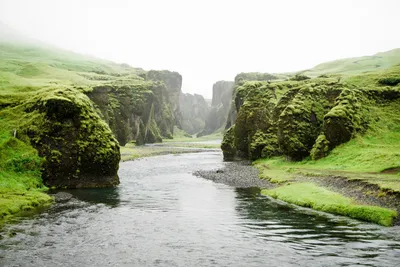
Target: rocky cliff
(220,106)
(173,83)
(300,118)
(77,146)
(194,110)
(138,112)
(240,79)
(144,109)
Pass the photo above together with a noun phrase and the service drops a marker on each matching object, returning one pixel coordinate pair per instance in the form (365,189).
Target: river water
(162,215)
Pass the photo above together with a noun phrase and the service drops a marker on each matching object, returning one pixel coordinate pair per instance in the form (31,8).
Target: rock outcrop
(144,111)
(173,83)
(220,105)
(237,100)
(78,147)
(294,118)
(194,111)
(141,112)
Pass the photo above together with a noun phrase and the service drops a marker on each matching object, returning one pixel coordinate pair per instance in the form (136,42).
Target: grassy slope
(25,71)
(357,65)
(33,67)
(363,158)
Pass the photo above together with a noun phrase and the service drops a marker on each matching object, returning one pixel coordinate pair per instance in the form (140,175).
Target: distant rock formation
(194,110)
(220,105)
(144,111)
(173,84)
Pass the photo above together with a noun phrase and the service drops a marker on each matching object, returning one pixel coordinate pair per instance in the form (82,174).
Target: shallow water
(162,215)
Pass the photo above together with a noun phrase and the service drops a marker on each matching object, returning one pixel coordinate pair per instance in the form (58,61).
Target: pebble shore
(239,174)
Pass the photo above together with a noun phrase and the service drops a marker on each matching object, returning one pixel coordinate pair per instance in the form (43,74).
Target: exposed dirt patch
(393,170)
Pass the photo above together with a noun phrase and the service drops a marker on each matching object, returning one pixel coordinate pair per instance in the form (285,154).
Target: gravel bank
(239,174)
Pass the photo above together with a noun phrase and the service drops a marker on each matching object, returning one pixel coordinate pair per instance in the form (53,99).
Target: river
(162,215)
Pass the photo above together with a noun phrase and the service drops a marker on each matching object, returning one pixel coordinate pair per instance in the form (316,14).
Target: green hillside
(37,66)
(356,65)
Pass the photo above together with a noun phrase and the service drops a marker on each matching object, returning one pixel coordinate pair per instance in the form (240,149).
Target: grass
(319,198)
(274,175)
(357,65)
(32,67)
(21,187)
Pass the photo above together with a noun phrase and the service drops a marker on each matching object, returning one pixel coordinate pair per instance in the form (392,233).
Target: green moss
(73,142)
(300,77)
(300,122)
(318,198)
(228,144)
(320,148)
(346,118)
(273,175)
(21,187)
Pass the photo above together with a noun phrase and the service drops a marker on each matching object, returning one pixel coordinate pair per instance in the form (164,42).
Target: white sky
(207,41)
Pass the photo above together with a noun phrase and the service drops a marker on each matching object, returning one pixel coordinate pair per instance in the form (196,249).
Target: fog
(207,41)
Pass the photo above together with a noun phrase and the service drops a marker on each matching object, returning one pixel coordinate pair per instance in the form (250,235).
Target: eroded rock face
(78,146)
(220,105)
(294,118)
(140,112)
(194,110)
(237,99)
(173,83)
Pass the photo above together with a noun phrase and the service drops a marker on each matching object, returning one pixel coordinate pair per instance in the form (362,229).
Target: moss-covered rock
(140,111)
(296,118)
(320,148)
(301,121)
(238,95)
(346,118)
(228,144)
(255,127)
(78,147)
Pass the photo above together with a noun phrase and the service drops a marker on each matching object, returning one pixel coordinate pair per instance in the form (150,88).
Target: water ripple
(162,215)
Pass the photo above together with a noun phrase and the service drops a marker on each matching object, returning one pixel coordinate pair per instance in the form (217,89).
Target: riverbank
(322,190)
(370,192)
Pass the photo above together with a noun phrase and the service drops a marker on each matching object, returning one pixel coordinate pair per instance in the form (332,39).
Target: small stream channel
(162,215)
